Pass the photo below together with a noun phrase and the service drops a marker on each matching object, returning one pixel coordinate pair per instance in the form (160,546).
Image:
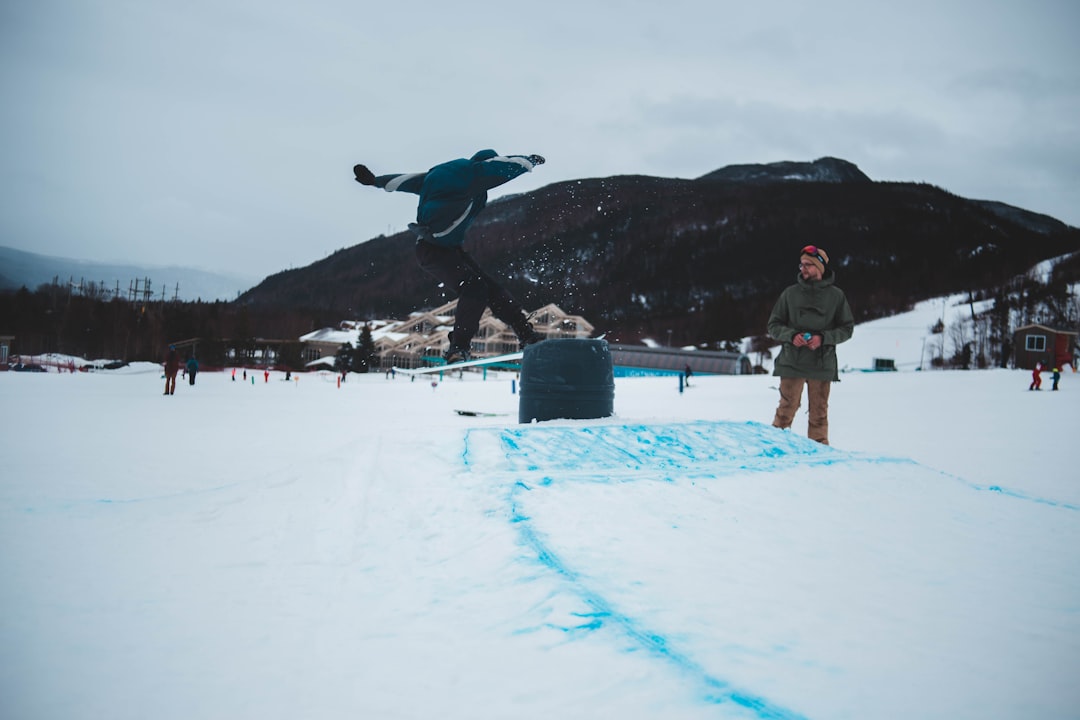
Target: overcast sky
(221,134)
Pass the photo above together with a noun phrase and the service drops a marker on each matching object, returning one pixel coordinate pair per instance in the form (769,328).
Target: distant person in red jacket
(172,366)
(1036,378)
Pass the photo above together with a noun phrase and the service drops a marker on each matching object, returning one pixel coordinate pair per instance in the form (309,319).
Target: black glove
(363,175)
(536,159)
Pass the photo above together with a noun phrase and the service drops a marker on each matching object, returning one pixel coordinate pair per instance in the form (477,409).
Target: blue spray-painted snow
(601,449)
(541,465)
(714,690)
(1007,492)
(537,457)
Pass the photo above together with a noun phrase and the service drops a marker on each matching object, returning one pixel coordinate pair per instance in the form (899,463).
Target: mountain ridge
(27,269)
(699,259)
(826,169)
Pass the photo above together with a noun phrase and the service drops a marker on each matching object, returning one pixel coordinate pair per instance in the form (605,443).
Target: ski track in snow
(532,458)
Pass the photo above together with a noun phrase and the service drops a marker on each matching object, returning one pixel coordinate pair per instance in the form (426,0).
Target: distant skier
(172,367)
(452,194)
(811,318)
(1036,377)
(192,369)
(1056,377)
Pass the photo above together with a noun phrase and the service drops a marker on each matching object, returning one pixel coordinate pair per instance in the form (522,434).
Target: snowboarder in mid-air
(452,194)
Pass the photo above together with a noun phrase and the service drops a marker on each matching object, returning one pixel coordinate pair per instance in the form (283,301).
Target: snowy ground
(300,550)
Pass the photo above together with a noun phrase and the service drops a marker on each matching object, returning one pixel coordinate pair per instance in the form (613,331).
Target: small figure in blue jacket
(452,194)
(192,369)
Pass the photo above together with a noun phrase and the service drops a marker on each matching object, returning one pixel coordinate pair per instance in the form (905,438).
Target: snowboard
(508,357)
(479,413)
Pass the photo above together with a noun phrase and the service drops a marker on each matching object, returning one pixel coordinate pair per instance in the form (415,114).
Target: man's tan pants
(817,392)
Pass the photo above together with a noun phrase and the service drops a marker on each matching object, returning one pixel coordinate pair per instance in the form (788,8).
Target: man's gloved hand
(537,159)
(363,175)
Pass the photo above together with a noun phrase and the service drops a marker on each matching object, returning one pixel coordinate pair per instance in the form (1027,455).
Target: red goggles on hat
(813,252)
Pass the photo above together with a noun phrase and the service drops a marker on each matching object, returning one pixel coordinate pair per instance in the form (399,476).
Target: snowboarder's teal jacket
(817,307)
(454,192)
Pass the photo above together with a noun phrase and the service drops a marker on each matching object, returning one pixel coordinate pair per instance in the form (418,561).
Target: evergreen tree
(1001,327)
(364,355)
(344,358)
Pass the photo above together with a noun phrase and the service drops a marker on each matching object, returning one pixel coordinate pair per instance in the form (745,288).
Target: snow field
(296,549)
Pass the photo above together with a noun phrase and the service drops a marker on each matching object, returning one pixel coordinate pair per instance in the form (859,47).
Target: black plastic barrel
(570,378)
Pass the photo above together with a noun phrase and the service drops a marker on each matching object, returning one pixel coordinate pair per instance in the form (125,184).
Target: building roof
(1046,328)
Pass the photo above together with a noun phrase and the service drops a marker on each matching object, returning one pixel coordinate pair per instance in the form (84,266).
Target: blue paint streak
(72,504)
(1022,496)
(590,454)
(717,691)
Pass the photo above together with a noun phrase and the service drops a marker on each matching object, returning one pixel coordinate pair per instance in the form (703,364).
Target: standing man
(172,366)
(452,194)
(811,318)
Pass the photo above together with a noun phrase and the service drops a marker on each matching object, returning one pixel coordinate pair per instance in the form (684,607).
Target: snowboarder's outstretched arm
(405,182)
(488,170)
(493,169)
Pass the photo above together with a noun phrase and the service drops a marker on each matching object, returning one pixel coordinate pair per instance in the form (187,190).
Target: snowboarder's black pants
(476,290)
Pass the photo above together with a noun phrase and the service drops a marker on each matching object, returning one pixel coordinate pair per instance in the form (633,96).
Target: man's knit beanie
(817,256)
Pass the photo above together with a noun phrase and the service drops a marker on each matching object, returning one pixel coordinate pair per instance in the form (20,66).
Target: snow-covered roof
(331,335)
